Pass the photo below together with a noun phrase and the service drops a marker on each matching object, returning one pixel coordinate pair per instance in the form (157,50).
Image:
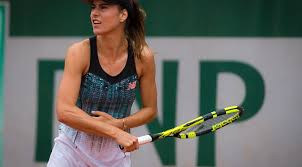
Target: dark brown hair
(134,28)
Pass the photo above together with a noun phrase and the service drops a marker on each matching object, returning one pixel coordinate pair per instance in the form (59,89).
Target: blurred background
(210,54)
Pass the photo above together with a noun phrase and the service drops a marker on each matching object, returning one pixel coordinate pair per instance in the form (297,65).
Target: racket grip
(144,139)
(141,140)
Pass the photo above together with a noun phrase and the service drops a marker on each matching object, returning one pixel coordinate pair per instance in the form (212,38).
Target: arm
(148,92)
(69,114)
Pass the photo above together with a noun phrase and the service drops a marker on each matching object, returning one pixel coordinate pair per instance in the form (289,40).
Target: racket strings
(207,125)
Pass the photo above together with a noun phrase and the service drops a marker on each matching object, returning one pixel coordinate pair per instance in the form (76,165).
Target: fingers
(127,141)
(96,113)
(131,146)
(100,118)
(103,114)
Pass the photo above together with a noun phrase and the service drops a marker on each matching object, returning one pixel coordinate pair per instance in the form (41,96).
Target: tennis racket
(198,126)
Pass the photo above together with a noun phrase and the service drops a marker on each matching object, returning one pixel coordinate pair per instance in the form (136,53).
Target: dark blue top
(100,91)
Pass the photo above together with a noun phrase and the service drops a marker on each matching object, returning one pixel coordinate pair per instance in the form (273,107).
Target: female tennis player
(100,78)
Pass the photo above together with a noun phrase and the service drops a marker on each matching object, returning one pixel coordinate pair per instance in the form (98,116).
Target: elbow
(61,114)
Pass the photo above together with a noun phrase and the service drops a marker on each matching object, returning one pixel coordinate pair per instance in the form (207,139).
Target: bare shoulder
(147,55)
(146,64)
(78,55)
(78,49)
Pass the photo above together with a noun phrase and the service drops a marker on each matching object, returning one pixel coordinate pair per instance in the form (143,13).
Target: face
(106,18)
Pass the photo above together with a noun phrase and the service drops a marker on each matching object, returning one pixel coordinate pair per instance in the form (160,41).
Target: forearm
(78,119)
(145,115)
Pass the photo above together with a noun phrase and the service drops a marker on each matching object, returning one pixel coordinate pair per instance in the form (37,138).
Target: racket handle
(144,139)
(141,140)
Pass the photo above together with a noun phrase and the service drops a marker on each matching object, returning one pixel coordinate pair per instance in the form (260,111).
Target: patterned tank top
(100,91)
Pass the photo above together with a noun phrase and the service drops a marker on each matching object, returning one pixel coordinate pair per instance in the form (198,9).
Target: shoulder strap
(93,56)
(131,57)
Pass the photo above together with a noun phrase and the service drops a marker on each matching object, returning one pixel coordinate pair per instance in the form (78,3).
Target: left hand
(104,117)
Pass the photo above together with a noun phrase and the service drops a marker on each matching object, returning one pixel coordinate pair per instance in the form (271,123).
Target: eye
(103,6)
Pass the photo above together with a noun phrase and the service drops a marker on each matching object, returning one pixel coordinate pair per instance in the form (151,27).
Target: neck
(112,45)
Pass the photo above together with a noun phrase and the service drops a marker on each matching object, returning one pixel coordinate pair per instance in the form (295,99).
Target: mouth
(94,21)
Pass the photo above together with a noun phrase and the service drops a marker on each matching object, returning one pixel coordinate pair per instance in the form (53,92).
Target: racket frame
(175,132)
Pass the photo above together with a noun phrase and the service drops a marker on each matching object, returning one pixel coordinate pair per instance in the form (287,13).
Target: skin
(108,22)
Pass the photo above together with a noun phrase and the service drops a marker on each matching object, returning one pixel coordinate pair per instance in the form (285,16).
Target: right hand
(127,141)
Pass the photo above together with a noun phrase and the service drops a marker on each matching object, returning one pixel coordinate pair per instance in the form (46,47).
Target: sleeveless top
(100,91)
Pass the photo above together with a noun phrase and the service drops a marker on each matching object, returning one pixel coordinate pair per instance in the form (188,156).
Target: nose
(94,12)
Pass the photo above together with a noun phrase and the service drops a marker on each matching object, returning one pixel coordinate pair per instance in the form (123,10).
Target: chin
(100,32)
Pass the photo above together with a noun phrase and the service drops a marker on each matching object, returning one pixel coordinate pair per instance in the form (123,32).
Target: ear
(123,15)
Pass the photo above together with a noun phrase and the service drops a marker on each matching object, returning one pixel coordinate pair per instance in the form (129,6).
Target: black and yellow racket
(198,126)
